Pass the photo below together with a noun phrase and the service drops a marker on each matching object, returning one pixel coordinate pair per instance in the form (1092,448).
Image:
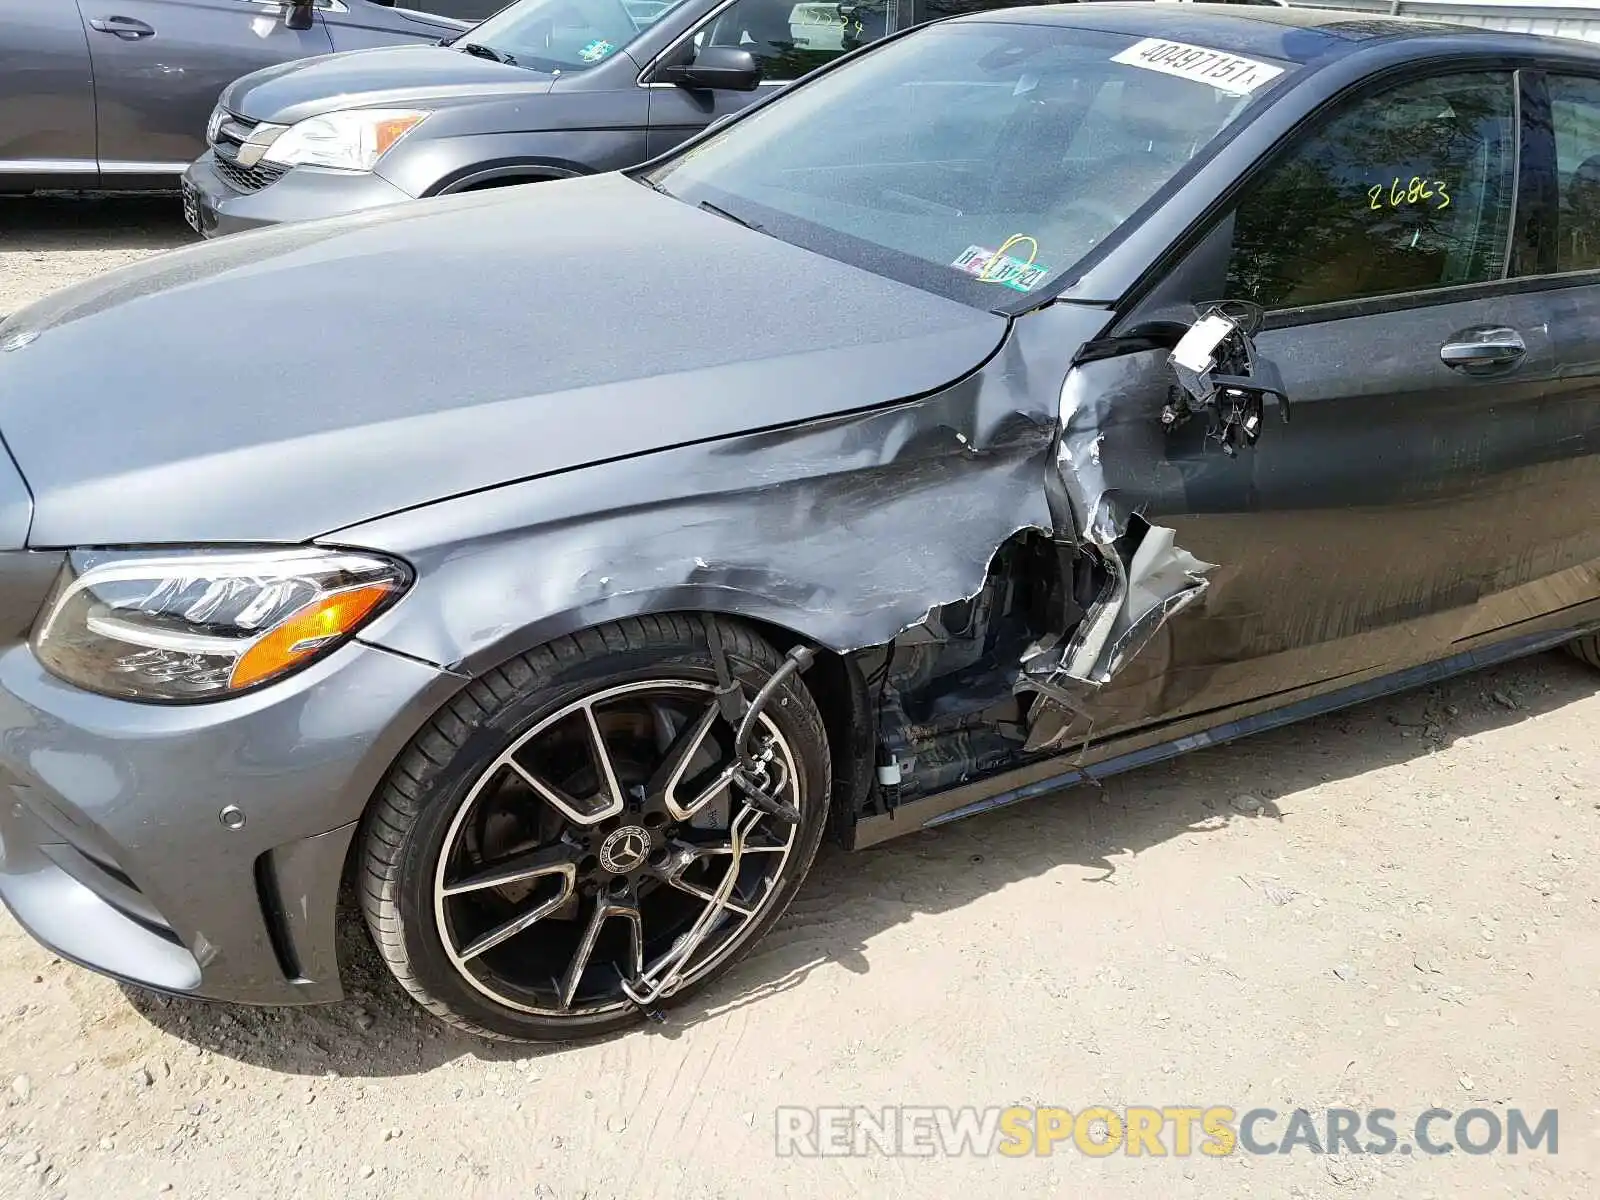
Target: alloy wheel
(605,857)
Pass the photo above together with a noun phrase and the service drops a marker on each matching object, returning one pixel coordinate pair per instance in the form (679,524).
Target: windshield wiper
(728,216)
(479,50)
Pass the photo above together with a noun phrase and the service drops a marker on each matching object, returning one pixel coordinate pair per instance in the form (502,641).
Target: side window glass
(1575,114)
(1404,191)
(789,39)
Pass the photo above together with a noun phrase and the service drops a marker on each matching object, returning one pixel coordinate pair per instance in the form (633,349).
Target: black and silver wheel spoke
(686,855)
(564,872)
(534,864)
(680,753)
(620,905)
(603,800)
(608,833)
(610,788)
(714,849)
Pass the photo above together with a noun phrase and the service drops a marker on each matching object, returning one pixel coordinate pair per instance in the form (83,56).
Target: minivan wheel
(544,850)
(1586,649)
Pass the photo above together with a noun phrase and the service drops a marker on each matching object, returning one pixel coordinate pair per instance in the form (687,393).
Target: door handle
(126,28)
(1475,351)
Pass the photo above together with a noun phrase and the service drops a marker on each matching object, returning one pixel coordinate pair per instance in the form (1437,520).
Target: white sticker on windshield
(1226,72)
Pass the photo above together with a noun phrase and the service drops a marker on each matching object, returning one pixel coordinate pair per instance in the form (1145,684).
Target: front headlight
(346,141)
(203,625)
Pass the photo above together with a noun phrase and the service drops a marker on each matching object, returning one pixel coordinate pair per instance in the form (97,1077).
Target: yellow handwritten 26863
(1417,191)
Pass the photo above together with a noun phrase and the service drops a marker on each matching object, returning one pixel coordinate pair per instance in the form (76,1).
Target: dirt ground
(1397,906)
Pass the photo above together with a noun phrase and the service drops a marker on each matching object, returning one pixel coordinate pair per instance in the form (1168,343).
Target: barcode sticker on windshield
(1226,72)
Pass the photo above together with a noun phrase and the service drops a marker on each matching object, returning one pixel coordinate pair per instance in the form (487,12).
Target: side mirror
(299,14)
(724,68)
(1220,373)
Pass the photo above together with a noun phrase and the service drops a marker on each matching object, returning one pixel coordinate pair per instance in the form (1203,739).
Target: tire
(452,778)
(1586,649)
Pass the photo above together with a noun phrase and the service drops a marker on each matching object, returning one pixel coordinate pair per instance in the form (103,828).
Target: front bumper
(301,194)
(112,851)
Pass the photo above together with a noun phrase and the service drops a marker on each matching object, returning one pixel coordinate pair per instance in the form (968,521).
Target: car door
(46,96)
(159,66)
(1555,530)
(1409,493)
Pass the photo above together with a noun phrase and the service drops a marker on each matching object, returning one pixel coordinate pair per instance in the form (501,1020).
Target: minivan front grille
(247,179)
(231,134)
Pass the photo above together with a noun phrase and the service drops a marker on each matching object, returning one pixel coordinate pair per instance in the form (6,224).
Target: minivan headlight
(197,625)
(346,141)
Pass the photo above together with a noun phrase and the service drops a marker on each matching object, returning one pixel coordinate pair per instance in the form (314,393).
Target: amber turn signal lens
(386,133)
(307,631)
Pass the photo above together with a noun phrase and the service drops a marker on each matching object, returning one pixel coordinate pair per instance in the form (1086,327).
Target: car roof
(1297,35)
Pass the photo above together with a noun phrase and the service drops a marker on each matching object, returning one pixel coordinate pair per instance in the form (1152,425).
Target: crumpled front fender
(845,530)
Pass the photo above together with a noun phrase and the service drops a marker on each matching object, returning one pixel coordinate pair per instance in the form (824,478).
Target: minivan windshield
(564,35)
(979,160)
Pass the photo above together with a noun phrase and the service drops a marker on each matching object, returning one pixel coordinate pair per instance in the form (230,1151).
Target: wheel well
(840,690)
(500,181)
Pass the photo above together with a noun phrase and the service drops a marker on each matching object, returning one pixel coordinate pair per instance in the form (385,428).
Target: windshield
(565,35)
(980,161)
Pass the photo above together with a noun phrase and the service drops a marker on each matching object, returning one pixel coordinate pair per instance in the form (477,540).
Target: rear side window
(1404,191)
(787,38)
(1575,115)
(792,37)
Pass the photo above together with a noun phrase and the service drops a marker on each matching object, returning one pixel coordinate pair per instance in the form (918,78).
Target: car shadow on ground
(848,901)
(71,222)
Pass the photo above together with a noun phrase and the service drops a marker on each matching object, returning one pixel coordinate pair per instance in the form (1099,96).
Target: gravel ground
(47,244)
(1396,906)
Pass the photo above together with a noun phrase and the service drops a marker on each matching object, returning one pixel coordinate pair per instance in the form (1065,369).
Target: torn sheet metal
(1143,589)
(844,531)
(1160,581)
(1109,453)
(1112,458)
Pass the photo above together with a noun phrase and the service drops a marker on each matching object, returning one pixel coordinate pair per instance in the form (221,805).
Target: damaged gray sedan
(1023,399)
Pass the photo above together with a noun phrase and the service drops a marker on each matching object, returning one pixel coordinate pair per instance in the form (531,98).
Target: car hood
(389,75)
(282,384)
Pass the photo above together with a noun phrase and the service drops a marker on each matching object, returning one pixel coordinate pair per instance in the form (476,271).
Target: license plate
(191,205)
